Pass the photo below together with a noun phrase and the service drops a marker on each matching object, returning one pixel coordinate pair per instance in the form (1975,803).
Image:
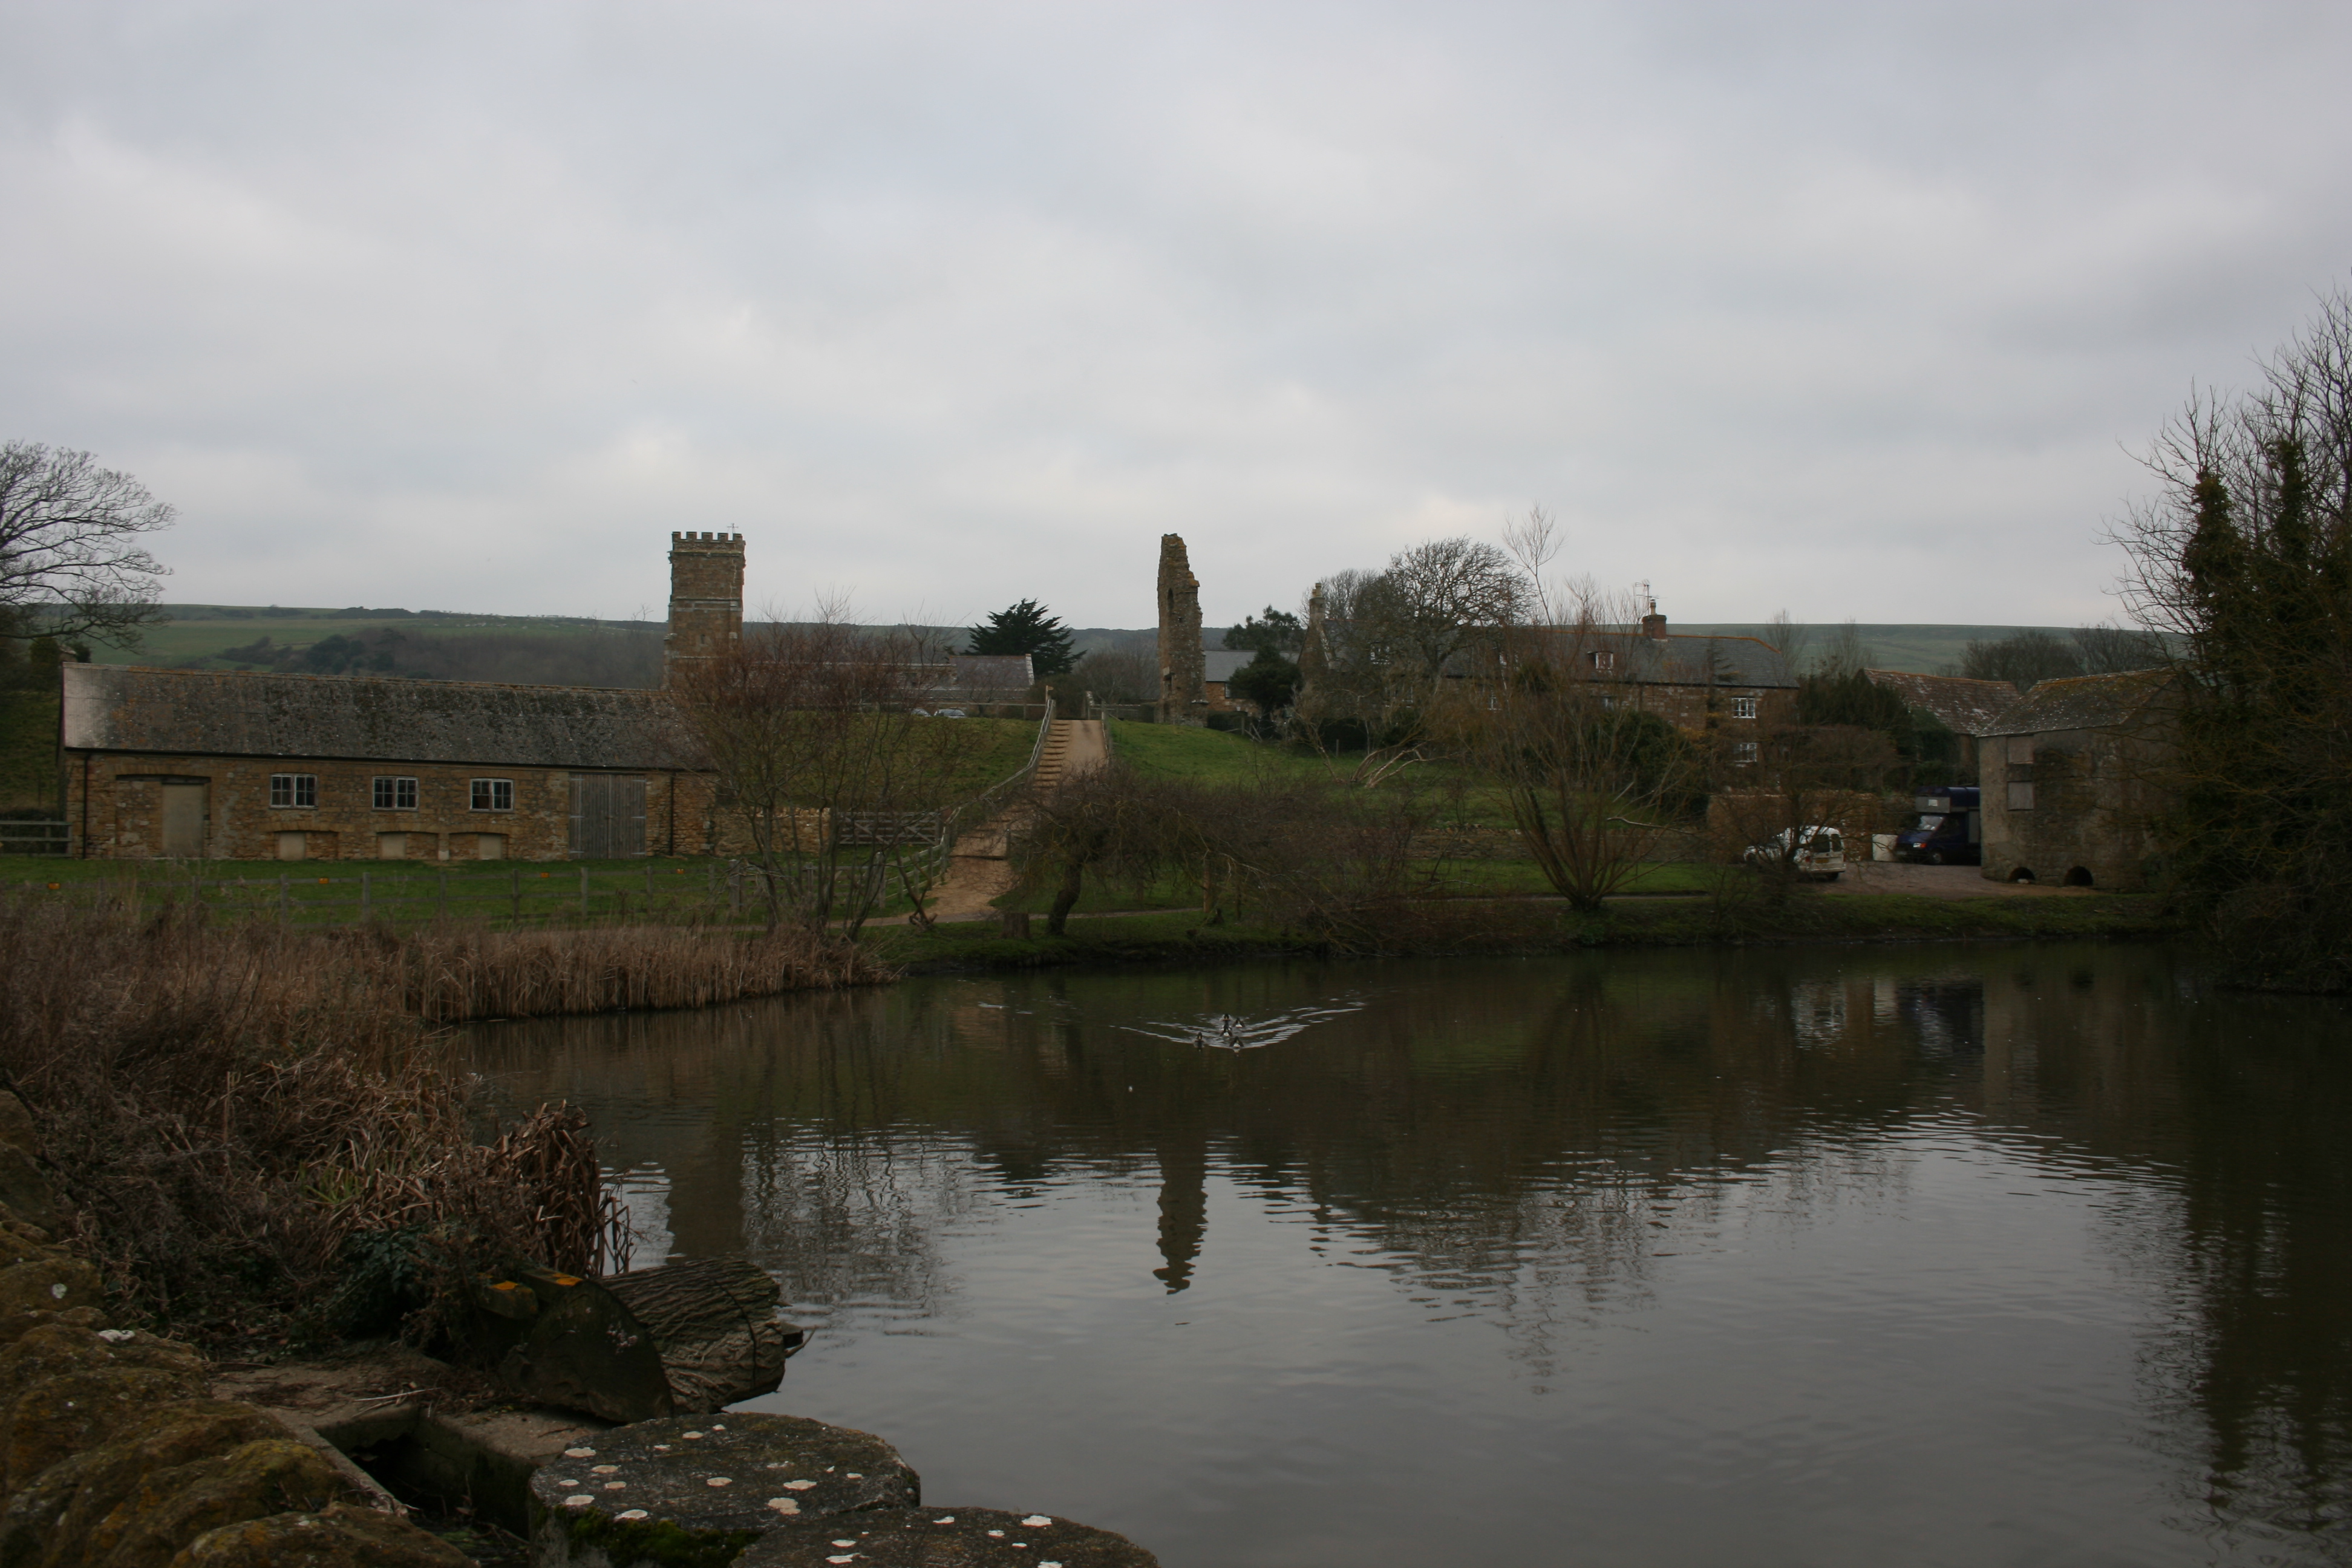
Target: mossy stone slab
(341,1537)
(48,1521)
(692,1492)
(944,1538)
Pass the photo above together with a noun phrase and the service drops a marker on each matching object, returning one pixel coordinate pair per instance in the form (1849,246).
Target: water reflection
(1986,1255)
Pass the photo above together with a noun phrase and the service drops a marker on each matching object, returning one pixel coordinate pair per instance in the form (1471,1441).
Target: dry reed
(230,1109)
(447,975)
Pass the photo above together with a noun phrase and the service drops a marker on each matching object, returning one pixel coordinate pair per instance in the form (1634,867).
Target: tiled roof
(2080,702)
(1219,664)
(1969,707)
(126,708)
(1679,660)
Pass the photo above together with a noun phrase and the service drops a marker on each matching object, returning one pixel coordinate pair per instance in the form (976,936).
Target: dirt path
(978,872)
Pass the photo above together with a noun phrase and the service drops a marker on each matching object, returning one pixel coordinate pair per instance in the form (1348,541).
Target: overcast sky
(1859,313)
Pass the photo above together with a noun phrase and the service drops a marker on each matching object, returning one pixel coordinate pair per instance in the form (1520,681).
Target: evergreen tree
(1269,682)
(1027,628)
(1276,632)
(2243,569)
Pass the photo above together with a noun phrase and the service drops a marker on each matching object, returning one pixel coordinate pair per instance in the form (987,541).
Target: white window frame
(498,793)
(1743,707)
(293,792)
(393,791)
(1604,659)
(1743,753)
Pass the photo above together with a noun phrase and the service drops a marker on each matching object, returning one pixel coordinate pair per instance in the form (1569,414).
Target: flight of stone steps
(1073,746)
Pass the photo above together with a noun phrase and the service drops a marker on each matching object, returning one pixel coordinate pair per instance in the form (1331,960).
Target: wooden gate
(608,817)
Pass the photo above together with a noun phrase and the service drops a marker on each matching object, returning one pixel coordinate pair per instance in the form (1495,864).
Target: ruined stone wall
(1184,697)
(115,809)
(706,598)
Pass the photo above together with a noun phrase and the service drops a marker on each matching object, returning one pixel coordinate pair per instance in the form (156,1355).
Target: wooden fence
(20,836)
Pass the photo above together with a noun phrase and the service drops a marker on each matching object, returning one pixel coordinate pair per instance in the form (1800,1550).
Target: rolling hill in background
(580,651)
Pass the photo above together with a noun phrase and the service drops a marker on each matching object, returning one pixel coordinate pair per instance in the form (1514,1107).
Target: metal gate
(608,817)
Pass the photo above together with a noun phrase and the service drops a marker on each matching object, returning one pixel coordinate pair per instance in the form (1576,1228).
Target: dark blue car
(1949,831)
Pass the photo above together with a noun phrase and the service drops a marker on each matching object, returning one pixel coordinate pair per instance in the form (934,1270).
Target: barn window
(395,793)
(1743,708)
(494,794)
(294,789)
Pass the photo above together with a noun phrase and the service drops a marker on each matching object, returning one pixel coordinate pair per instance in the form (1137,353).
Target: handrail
(981,806)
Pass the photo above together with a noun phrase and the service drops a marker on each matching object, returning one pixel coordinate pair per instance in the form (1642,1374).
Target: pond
(1969,1255)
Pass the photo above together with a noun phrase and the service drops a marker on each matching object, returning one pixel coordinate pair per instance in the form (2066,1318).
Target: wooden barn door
(608,817)
(184,815)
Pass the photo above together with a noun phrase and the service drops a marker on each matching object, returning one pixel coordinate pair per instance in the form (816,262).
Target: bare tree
(1843,657)
(837,789)
(1802,777)
(1791,636)
(1436,600)
(2107,649)
(70,564)
(1393,638)
(1120,675)
(1594,782)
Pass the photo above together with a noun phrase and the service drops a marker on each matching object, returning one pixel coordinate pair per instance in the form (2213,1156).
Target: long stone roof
(1969,706)
(129,708)
(2080,702)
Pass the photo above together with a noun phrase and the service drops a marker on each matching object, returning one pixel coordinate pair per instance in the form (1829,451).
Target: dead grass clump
(232,1110)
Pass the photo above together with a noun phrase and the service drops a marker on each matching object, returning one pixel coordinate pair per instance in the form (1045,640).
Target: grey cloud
(467,306)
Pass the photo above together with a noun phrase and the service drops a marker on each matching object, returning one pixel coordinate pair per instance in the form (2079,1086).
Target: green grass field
(196,632)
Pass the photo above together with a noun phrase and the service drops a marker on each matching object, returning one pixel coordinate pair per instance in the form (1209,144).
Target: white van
(1818,851)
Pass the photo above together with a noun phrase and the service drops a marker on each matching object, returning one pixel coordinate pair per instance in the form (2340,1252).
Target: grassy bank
(1461,927)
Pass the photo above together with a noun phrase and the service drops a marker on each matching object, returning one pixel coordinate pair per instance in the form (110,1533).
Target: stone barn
(237,765)
(2070,776)
(244,765)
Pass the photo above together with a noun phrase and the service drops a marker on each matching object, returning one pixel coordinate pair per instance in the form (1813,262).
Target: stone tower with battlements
(706,599)
(1183,698)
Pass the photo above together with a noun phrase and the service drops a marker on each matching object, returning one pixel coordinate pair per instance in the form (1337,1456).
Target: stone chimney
(1183,693)
(706,599)
(1653,625)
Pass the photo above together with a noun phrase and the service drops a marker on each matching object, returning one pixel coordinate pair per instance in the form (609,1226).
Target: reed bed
(447,975)
(245,1117)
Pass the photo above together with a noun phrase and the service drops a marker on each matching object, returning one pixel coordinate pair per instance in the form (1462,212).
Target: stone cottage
(2071,779)
(1734,687)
